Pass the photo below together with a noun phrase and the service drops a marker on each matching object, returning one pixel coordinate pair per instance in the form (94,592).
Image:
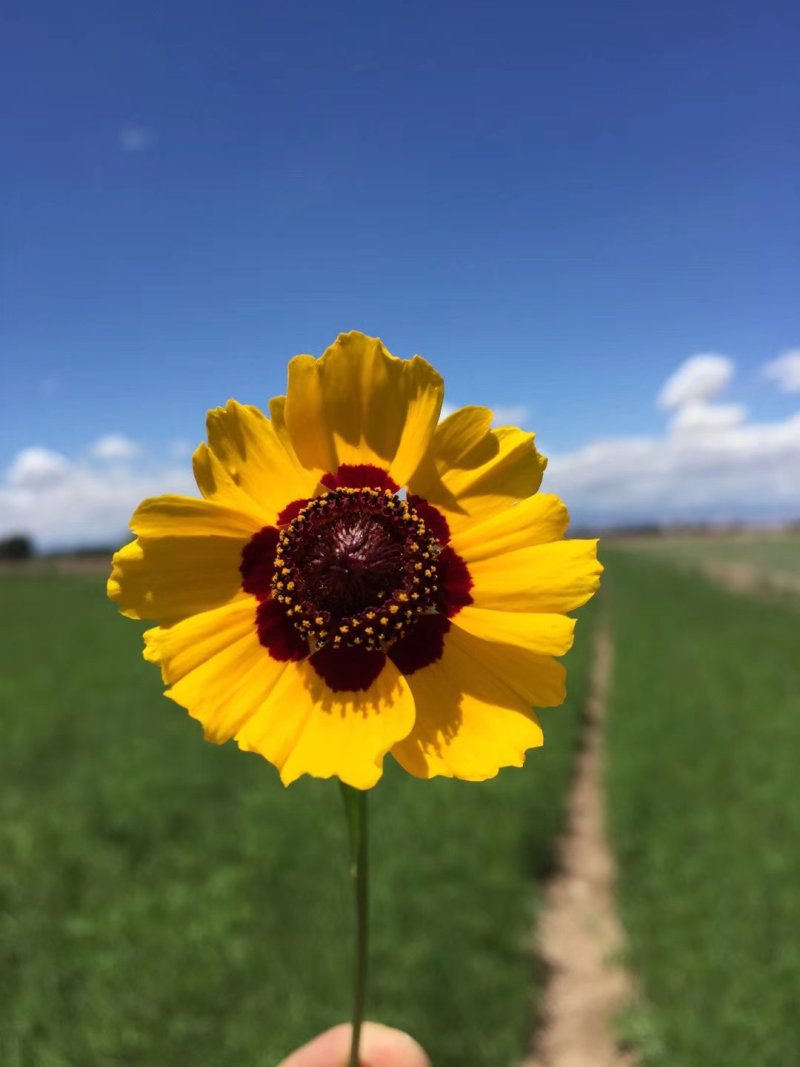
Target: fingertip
(381,1046)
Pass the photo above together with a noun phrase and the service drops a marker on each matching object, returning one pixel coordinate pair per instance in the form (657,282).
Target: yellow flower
(359,580)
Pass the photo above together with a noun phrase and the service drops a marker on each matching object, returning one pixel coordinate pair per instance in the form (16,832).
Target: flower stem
(355,806)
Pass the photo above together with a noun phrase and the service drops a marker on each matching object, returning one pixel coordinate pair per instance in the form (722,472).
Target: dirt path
(746,578)
(579,935)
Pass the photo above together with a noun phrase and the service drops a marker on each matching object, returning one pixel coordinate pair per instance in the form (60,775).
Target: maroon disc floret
(354,568)
(354,575)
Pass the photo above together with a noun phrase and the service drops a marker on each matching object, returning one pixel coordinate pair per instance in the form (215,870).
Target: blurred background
(586,217)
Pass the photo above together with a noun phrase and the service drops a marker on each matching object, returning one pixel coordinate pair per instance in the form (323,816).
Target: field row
(704,738)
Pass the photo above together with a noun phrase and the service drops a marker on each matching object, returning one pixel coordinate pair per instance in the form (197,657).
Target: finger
(381,1046)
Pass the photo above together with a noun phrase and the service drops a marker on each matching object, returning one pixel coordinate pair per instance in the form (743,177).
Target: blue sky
(557,204)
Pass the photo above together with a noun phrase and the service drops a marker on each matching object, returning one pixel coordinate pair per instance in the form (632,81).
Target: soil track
(579,937)
(746,578)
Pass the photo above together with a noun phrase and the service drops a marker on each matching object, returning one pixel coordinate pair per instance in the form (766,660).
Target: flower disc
(354,567)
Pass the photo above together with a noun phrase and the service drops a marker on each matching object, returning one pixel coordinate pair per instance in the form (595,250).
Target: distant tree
(17,546)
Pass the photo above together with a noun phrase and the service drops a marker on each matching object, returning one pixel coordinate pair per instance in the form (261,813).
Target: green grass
(704,740)
(771,555)
(164,901)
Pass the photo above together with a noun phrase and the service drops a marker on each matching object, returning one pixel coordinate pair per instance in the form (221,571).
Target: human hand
(380,1047)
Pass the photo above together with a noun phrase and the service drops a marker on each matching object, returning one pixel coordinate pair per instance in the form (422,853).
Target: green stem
(355,806)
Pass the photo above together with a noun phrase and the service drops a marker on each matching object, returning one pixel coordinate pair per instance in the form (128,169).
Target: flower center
(354,568)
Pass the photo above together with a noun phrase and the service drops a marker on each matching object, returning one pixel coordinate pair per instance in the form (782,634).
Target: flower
(358,580)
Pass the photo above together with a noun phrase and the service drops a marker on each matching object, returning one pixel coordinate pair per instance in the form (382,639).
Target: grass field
(165,902)
(778,554)
(704,740)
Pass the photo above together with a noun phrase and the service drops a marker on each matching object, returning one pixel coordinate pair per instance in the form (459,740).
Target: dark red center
(354,576)
(353,561)
(354,568)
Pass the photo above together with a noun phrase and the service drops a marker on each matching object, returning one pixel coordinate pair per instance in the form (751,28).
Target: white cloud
(37,468)
(133,138)
(785,371)
(699,416)
(66,504)
(711,463)
(699,378)
(511,415)
(180,448)
(114,447)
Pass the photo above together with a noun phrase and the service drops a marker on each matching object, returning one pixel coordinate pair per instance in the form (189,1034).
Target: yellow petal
(469,721)
(306,728)
(559,577)
(359,404)
(246,457)
(543,632)
(183,647)
(536,520)
(216,485)
(186,516)
(219,670)
(457,435)
(170,578)
(537,679)
(472,471)
(277,414)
